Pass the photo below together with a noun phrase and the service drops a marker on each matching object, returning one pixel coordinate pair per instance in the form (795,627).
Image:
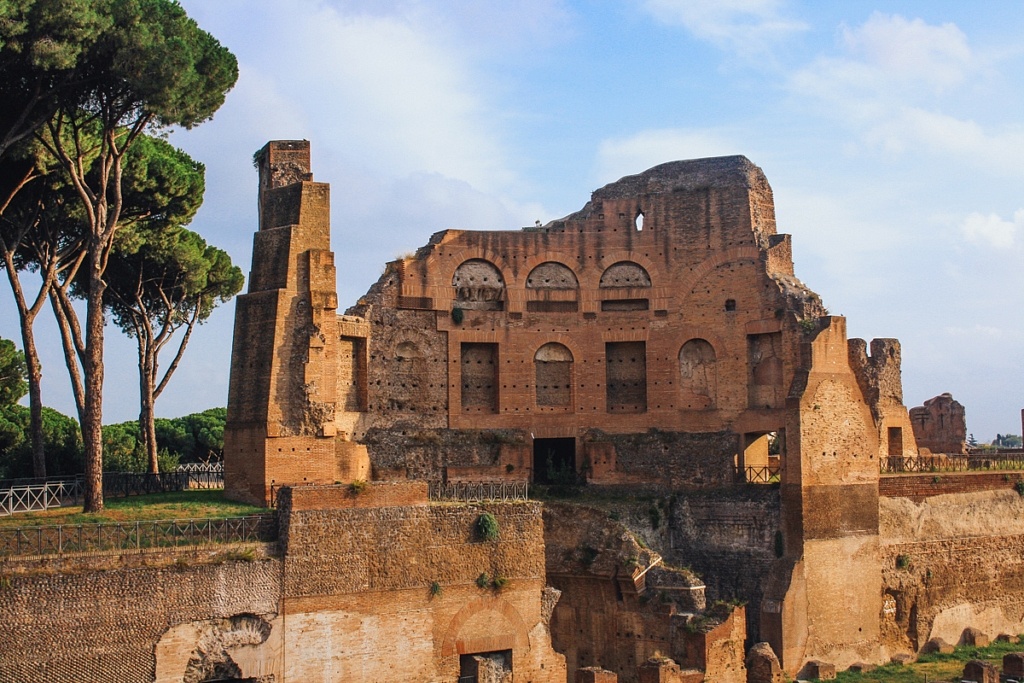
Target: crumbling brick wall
(102,620)
(940,425)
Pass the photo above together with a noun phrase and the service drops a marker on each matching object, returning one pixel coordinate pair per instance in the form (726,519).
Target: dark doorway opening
(485,666)
(554,461)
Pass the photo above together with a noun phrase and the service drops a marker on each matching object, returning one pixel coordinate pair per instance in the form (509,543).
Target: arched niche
(625,274)
(479,285)
(698,374)
(407,351)
(553,373)
(552,275)
(552,287)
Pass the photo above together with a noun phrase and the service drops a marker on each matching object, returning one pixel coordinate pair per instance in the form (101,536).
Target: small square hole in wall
(730,304)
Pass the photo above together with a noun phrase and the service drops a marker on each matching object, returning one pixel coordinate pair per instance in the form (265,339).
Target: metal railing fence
(135,536)
(767,474)
(898,464)
(42,494)
(476,492)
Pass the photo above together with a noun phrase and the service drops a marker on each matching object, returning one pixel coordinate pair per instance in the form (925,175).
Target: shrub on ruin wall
(487,527)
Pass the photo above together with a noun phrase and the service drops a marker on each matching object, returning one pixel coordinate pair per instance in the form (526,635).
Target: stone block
(1013,664)
(1008,638)
(762,665)
(938,645)
(861,667)
(980,672)
(822,671)
(595,674)
(902,659)
(975,637)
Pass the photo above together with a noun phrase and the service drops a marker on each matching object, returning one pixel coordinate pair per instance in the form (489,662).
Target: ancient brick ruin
(668,304)
(653,349)
(656,338)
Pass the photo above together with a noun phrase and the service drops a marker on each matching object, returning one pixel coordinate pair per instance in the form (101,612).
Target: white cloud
(891,58)
(744,26)
(896,84)
(992,229)
(899,50)
(628,155)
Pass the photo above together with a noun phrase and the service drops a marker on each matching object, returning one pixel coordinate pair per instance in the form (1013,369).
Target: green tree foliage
(43,49)
(13,374)
(194,438)
(61,437)
(1008,441)
(153,67)
(40,231)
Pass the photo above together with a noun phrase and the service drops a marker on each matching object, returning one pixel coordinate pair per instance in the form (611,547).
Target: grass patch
(932,667)
(199,504)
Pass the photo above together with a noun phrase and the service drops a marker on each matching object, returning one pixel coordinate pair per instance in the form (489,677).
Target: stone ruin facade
(940,425)
(667,306)
(655,346)
(657,339)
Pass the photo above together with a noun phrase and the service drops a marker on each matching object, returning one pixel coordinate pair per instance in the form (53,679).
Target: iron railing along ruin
(478,491)
(139,536)
(767,474)
(23,495)
(898,464)
(42,496)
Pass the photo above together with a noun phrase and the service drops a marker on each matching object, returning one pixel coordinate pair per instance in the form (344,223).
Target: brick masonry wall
(673,459)
(352,599)
(728,538)
(100,619)
(920,486)
(339,551)
(391,593)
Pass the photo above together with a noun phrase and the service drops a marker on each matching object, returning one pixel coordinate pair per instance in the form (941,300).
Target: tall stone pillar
(824,593)
(282,393)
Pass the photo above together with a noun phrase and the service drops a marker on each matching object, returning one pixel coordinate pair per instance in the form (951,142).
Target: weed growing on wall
(487,527)
(483,580)
(499,582)
(357,487)
(435,589)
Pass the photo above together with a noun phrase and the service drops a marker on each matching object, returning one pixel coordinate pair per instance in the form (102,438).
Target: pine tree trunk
(147,420)
(92,367)
(35,402)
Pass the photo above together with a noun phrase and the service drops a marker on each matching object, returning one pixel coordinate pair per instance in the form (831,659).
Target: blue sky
(892,134)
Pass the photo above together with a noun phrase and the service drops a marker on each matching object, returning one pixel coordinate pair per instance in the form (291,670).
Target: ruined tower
(284,386)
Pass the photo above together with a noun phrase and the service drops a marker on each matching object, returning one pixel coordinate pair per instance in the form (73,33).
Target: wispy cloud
(745,27)
(993,230)
(895,83)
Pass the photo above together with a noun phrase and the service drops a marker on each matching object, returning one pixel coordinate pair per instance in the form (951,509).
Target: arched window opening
(552,287)
(638,222)
(479,286)
(625,274)
(553,374)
